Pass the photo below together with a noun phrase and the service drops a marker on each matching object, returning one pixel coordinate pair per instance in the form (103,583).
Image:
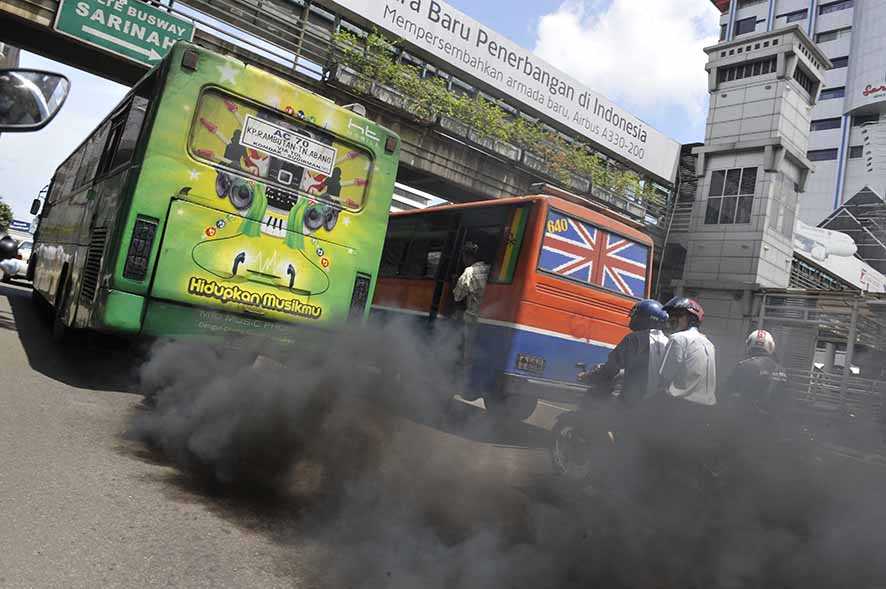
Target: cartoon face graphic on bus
(284,178)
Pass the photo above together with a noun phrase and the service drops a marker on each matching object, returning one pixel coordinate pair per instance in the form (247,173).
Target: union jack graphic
(582,252)
(569,252)
(624,266)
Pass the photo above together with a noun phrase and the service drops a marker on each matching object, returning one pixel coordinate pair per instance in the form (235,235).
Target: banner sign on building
(488,57)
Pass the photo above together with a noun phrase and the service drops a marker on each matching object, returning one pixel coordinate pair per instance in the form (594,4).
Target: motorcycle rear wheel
(570,453)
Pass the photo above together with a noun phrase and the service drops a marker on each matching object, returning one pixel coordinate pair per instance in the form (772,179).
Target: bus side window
(418,256)
(392,256)
(65,177)
(117,125)
(94,148)
(131,131)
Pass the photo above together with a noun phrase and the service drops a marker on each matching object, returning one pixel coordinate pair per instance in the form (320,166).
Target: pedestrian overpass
(295,39)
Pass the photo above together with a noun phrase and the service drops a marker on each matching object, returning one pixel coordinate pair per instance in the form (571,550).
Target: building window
(746,70)
(824,124)
(723,32)
(822,155)
(839,62)
(836,6)
(795,16)
(831,93)
(731,196)
(745,25)
(804,80)
(855,151)
(746,3)
(859,120)
(832,35)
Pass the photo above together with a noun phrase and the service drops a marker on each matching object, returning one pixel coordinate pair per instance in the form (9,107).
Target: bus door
(415,261)
(422,257)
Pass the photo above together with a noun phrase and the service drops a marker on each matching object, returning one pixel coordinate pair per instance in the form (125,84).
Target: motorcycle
(586,437)
(590,444)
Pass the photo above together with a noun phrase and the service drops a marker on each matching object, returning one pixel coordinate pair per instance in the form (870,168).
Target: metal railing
(681,217)
(530,162)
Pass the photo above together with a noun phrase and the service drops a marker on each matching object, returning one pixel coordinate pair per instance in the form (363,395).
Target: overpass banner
(490,58)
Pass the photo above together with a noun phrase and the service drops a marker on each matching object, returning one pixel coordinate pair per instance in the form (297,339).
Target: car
(17,267)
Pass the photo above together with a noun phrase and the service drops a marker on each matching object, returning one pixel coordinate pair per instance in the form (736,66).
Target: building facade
(847,139)
(750,174)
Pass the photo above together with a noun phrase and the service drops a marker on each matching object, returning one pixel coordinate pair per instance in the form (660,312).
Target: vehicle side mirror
(35,206)
(30,99)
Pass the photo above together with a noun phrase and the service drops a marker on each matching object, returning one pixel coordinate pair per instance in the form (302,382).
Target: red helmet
(678,305)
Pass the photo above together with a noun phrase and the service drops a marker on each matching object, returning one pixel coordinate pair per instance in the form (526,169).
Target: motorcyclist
(758,383)
(639,354)
(689,368)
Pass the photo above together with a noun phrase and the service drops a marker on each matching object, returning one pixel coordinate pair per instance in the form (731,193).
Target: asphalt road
(82,506)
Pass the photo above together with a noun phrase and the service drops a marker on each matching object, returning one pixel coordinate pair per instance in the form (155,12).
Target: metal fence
(844,403)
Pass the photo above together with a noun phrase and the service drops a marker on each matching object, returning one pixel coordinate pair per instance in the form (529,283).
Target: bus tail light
(190,59)
(360,296)
(140,245)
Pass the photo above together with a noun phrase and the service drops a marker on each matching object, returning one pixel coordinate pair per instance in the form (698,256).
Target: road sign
(20,225)
(128,28)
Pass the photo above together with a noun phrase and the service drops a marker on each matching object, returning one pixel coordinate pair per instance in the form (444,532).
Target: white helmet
(760,340)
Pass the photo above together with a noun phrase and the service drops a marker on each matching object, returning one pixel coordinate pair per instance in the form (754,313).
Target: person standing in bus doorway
(468,291)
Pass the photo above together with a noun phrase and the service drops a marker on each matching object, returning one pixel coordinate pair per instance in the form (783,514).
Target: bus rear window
(581,252)
(284,151)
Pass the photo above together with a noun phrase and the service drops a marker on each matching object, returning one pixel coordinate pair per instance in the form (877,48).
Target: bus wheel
(517,407)
(44,310)
(60,331)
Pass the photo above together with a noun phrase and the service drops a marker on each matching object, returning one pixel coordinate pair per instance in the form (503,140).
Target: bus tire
(60,331)
(40,304)
(517,407)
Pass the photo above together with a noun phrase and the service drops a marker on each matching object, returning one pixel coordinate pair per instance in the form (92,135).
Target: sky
(613,46)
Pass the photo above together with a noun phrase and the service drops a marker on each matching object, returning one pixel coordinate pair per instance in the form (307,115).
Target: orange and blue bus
(563,279)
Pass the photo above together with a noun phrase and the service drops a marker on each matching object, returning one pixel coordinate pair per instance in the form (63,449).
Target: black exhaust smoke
(413,506)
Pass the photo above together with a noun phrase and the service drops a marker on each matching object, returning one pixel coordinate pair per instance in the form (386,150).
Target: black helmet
(8,248)
(648,314)
(685,305)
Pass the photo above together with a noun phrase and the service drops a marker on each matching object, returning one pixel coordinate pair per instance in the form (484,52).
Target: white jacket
(689,368)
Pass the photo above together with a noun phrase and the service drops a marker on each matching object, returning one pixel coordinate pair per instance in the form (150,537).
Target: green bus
(216,198)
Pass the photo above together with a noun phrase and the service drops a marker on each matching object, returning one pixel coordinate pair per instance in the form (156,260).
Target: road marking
(150,54)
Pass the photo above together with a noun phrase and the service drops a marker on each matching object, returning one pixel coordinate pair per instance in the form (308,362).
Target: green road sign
(129,28)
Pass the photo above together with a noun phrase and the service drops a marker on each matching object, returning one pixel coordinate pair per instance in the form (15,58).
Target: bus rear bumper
(553,390)
(121,312)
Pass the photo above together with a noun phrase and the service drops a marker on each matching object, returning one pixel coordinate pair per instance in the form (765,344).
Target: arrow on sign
(151,54)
